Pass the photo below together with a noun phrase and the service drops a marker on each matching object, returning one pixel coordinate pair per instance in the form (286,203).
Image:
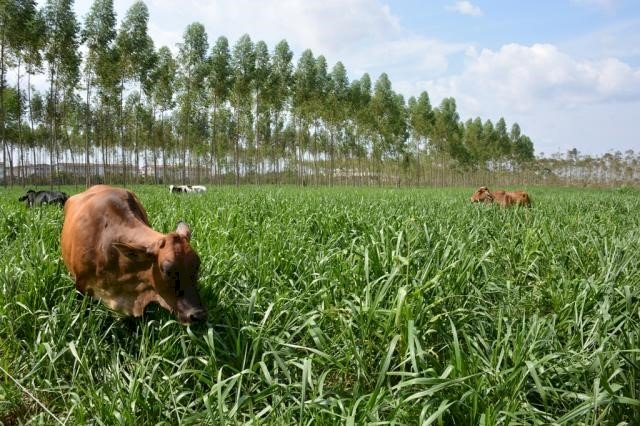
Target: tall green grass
(341,306)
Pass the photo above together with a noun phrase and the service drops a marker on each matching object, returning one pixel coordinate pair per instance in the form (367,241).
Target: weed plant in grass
(341,306)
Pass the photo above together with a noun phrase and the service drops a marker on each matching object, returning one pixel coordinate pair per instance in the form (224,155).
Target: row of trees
(220,112)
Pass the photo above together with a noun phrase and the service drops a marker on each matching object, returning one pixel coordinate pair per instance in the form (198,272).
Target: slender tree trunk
(2,111)
(276,146)
(52,97)
(214,156)
(331,154)
(136,148)
(236,153)
(300,156)
(33,141)
(163,146)
(316,165)
(122,147)
(154,147)
(87,131)
(257,138)
(20,141)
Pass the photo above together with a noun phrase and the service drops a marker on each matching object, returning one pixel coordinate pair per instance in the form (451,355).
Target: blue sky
(568,71)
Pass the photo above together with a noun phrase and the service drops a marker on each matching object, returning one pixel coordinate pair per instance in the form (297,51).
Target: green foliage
(341,306)
(62,41)
(135,47)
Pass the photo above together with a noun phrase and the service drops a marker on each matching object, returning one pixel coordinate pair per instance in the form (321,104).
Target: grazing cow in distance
(504,198)
(176,189)
(33,198)
(114,255)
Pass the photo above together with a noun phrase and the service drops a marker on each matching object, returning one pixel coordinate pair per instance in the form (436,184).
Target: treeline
(218,113)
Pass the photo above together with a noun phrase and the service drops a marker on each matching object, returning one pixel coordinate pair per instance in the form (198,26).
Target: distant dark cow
(39,198)
(504,198)
(115,256)
(176,189)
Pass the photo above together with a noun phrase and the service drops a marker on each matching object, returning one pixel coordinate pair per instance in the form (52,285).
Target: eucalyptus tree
(135,54)
(489,137)
(278,95)
(27,45)
(63,59)
(243,64)
(304,90)
(421,121)
(387,110)
(447,136)
(192,70)
(37,123)
(503,143)
(521,145)
(260,82)
(219,82)
(473,140)
(8,27)
(71,122)
(162,94)
(336,109)
(33,63)
(11,101)
(16,36)
(401,130)
(352,143)
(98,34)
(360,111)
(318,112)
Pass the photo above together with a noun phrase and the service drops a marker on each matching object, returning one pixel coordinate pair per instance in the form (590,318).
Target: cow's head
(62,199)
(482,195)
(174,273)
(26,196)
(177,275)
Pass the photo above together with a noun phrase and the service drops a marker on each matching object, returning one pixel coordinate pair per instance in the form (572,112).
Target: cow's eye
(166,268)
(176,287)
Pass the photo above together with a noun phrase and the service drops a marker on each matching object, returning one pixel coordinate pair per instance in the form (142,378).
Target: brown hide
(115,256)
(504,198)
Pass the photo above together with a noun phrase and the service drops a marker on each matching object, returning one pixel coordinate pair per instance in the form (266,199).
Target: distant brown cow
(504,198)
(115,256)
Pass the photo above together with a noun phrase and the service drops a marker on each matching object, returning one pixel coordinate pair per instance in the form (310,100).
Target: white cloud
(466,8)
(548,92)
(325,26)
(521,77)
(364,34)
(404,58)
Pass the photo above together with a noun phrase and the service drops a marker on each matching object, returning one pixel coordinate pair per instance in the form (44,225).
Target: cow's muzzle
(189,313)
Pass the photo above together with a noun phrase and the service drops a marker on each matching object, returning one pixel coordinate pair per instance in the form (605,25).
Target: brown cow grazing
(115,256)
(504,198)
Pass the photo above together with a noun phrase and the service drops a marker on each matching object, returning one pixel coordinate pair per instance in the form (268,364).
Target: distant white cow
(174,189)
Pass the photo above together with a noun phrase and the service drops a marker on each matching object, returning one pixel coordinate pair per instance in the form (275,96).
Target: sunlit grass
(341,306)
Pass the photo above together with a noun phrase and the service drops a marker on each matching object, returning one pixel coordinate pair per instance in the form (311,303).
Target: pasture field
(341,306)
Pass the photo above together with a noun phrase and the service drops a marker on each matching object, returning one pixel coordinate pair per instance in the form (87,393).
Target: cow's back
(91,220)
(521,198)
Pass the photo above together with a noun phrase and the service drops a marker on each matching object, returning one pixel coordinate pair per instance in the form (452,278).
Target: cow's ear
(155,248)
(134,252)
(183,230)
